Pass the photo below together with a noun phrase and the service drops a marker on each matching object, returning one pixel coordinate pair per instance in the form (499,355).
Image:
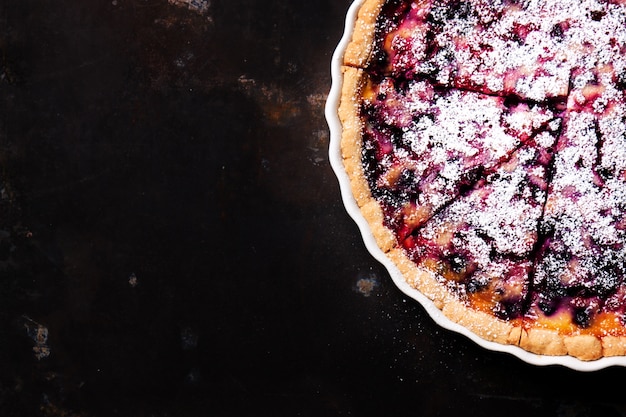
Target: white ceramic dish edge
(336,162)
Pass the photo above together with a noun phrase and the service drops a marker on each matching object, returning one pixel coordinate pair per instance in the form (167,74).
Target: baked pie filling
(486,146)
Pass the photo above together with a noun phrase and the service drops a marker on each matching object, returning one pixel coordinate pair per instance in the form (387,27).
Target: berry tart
(485,147)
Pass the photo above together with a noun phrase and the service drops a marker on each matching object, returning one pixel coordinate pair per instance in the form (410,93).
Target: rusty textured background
(172,239)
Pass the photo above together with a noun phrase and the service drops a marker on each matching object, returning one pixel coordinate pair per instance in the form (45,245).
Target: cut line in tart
(485,146)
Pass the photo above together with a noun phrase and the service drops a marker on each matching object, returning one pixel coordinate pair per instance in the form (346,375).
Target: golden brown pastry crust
(360,47)
(539,340)
(353,79)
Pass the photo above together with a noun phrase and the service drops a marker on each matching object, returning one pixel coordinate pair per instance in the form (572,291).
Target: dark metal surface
(172,239)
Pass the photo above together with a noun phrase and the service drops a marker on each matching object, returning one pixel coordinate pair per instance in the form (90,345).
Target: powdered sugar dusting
(497,133)
(534,50)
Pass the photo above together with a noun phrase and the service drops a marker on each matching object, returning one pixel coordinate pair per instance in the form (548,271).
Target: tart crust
(359,49)
(530,336)
(351,153)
